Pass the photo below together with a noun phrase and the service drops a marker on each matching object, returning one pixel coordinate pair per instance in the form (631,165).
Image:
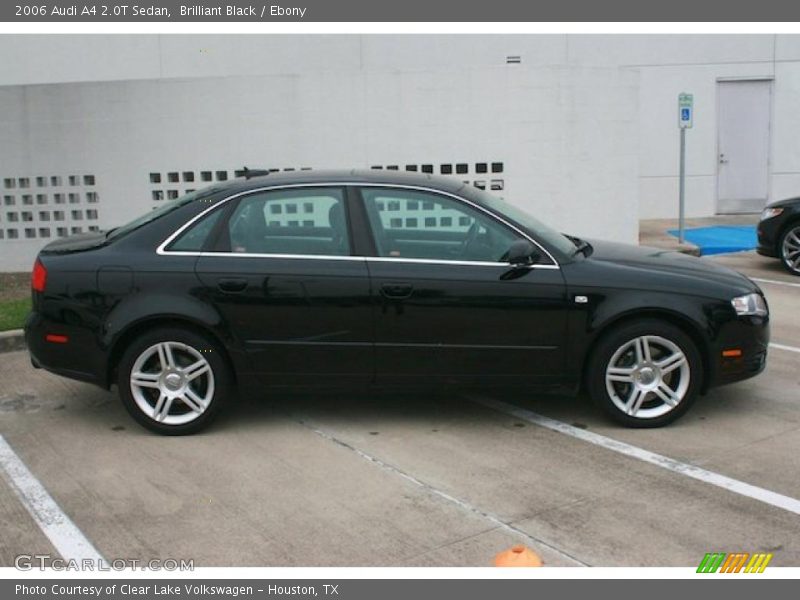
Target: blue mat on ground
(721,238)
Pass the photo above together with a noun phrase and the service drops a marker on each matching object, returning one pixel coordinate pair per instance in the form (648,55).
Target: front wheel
(790,249)
(173,381)
(645,374)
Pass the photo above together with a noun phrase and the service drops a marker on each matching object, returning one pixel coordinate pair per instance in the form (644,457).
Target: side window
(411,224)
(296,221)
(194,238)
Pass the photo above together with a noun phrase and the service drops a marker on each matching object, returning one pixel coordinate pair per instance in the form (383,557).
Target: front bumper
(768,232)
(749,336)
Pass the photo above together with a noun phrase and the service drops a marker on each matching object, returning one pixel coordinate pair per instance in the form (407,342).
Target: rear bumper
(75,359)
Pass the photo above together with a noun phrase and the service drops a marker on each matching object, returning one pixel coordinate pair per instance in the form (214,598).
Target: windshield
(159,212)
(543,232)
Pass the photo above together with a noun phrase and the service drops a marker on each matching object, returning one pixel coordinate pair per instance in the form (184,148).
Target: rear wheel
(173,381)
(790,249)
(645,374)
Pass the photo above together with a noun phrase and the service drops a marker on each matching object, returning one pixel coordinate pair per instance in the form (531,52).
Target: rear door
(283,276)
(447,304)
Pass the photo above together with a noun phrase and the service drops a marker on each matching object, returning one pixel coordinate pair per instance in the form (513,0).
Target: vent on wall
(44,192)
(513,59)
(479,169)
(169,185)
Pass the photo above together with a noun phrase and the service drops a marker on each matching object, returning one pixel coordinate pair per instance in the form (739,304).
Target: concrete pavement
(412,479)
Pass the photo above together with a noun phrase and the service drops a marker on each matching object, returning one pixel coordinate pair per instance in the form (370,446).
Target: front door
(447,306)
(744,141)
(283,276)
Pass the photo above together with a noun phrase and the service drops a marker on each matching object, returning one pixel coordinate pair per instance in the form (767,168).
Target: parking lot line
(786,503)
(784,347)
(775,282)
(462,504)
(65,536)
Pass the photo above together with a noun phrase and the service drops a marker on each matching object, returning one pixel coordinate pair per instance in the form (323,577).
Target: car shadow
(371,408)
(418,408)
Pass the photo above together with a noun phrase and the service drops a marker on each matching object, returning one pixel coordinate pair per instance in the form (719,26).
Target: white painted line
(466,506)
(67,539)
(782,347)
(776,282)
(786,503)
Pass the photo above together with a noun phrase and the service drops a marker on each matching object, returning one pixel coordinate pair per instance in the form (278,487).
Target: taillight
(39,276)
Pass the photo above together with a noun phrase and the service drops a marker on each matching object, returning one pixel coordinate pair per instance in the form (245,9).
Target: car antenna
(248,173)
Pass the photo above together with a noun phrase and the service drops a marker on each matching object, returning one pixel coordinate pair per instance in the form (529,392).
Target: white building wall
(543,124)
(582,139)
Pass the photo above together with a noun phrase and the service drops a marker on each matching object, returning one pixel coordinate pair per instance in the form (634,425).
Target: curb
(11,341)
(685,248)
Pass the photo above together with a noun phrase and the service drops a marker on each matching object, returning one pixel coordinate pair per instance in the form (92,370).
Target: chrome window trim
(163,252)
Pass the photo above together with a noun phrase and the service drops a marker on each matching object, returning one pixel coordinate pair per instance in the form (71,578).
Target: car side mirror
(522,254)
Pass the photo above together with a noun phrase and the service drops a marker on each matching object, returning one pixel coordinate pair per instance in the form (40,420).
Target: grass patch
(13,313)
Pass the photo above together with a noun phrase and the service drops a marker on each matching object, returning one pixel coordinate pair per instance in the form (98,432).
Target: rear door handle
(232,286)
(397,291)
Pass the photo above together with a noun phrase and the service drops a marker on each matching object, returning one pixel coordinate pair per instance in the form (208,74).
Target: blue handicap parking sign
(685,114)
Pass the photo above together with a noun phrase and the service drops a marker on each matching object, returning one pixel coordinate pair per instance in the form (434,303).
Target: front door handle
(397,291)
(232,286)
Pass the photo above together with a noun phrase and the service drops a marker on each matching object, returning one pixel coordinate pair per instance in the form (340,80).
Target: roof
(446,184)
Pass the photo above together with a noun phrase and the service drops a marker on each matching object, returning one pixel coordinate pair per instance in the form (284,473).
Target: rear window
(159,212)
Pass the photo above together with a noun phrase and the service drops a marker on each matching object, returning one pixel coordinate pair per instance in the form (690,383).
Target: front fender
(702,318)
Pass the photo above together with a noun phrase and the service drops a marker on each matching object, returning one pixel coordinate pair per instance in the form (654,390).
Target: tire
(789,249)
(642,384)
(183,381)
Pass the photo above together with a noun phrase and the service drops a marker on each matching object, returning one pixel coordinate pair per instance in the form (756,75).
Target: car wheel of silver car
(790,249)
(173,381)
(645,374)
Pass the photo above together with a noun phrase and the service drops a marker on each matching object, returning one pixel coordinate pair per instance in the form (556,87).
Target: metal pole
(682,186)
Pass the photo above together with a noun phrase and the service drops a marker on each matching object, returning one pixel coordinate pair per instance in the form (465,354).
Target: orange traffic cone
(518,556)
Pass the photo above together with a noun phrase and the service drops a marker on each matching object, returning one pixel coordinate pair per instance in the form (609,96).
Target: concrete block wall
(566,136)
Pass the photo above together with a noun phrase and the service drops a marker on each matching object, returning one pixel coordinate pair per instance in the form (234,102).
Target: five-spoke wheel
(647,377)
(644,374)
(172,381)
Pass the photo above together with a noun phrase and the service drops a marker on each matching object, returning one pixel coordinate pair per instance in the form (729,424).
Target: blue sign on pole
(685,110)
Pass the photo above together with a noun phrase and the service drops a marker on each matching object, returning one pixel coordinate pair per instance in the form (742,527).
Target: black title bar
(404,11)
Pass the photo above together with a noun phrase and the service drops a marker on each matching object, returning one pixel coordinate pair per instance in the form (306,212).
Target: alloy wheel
(647,377)
(172,383)
(790,250)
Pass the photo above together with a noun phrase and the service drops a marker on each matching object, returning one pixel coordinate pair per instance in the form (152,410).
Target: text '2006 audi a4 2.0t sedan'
(353,278)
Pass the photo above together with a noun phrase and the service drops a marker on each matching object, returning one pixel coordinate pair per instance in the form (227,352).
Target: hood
(663,267)
(784,203)
(75,243)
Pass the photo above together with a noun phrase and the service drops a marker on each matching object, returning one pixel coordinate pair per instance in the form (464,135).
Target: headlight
(751,304)
(768,213)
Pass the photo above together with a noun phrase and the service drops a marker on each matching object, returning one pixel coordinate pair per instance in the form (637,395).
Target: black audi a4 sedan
(353,279)
(779,233)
